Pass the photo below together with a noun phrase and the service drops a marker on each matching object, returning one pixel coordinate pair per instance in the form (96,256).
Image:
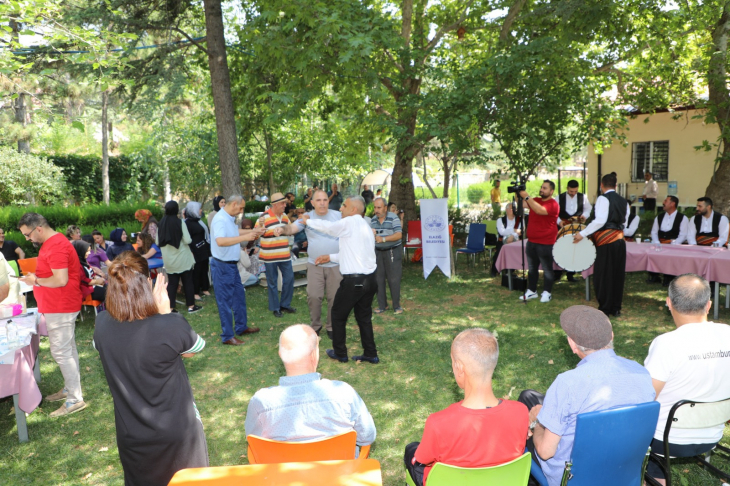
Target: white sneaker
(546,297)
(529,295)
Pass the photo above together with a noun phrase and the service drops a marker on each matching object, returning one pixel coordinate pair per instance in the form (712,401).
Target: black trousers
(415,469)
(99,293)
(187,282)
(531,398)
(609,273)
(539,255)
(354,293)
(200,276)
(649,204)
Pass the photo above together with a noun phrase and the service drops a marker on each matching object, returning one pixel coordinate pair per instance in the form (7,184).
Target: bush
(26,178)
(475,193)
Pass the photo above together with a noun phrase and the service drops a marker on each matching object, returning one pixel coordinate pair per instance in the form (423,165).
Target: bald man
(479,431)
(305,406)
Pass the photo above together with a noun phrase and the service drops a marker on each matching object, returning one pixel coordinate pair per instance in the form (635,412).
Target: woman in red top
(92,279)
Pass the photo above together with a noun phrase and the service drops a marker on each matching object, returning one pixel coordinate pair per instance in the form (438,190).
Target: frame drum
(571,229)
(574,257)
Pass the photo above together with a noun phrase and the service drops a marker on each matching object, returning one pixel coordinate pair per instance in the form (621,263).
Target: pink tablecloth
(18,377)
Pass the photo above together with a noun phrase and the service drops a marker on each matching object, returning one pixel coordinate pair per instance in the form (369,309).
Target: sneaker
(67,409)
(399,310)
(380,311)
(529,295)
(546,297)
(194,309)
(58,396)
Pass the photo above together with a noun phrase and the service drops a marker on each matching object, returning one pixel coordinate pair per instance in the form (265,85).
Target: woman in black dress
(200,246)
(141,345)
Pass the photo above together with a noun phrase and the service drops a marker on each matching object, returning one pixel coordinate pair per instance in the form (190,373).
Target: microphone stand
(521,212)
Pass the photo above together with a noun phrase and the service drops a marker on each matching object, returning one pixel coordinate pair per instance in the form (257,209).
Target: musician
(508,227)
(607,232)
(574,208)
(670,228)
(632,224)
(707,228)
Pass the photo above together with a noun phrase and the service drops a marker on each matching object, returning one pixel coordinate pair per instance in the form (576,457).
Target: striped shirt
(273,248)
(390,226)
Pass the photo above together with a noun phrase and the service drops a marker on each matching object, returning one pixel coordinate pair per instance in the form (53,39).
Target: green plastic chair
(14,265)
(513,473)
(491,230)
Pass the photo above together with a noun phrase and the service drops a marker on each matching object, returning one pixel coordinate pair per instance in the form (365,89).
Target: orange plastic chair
(338,448)
(89,302)
(136,246)
(28,265)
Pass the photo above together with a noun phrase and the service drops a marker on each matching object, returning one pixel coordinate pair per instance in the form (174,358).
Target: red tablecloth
(18,377)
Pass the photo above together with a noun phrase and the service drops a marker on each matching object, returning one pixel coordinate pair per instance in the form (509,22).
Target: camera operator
(541,235)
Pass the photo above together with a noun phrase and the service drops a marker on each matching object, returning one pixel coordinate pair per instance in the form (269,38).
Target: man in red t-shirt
(541,234)
(479,431)
(58,293)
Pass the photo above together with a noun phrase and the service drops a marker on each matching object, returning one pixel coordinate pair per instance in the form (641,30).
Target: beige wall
(691,169)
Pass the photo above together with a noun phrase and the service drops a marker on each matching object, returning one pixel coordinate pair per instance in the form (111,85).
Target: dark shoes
(194,309)
(331,354)
(654,279)
(288,310)
(250,330)
(571,279)
(233,342)
(277,313)
(374,360)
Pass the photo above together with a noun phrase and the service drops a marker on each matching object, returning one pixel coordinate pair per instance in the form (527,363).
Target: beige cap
(276,197)
(587,326)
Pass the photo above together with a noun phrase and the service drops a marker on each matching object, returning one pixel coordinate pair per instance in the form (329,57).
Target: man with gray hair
(305,406)
(388,254)
(690,363)
(602,380)
(358,285)
(225,239)
(479,431)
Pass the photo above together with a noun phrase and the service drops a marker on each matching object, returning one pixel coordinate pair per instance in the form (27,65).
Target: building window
(650,157)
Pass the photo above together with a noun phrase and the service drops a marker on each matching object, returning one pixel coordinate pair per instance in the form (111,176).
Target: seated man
(601,381)
(684,365)
(479,431)
(304,406)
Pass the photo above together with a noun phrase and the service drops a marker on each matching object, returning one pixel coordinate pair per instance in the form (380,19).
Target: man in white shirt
(651,190)
(574,208)
(632,224)
(689,363)
(670,228)
(707,228)
(358,285)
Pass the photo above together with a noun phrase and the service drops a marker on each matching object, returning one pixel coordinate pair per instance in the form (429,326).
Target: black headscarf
(81,248)
(217,202)
(170,228)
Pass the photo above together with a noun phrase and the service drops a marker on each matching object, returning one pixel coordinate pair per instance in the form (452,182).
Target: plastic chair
(612,446)
(513,473)
(414,232)
(88,301)
(339,447)
(14,265)
(492,230)
(698,415)
(28,265)
(474,242)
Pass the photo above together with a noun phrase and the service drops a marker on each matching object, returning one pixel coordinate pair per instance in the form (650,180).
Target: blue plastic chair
(474,242)
(611,446)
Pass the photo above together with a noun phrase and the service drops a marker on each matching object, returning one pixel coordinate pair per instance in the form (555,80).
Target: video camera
(517,186)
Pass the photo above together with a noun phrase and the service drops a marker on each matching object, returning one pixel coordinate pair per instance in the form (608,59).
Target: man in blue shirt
(225,240)
(305,406)
(601,381)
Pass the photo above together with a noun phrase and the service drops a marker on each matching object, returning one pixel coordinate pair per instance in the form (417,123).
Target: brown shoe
(233,342)
(250,330)
(68,409)
(57,397)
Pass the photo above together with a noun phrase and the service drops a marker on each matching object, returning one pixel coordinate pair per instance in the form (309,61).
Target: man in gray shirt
(305,406)
(388,253)
(320,277)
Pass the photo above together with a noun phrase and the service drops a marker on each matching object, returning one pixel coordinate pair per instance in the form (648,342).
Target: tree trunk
(401,183)
(447,177)
(222,99)
(167,188)
(269,154)
(21,116)
(425,175)
(719,98)
(105,147)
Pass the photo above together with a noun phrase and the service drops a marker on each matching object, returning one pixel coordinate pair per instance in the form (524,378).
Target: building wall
(691,169)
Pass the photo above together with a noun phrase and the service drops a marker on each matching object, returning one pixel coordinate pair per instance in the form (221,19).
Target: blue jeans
(230,297)
(287,286)
(252,280)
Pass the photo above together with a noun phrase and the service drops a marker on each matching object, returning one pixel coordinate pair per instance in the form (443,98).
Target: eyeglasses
(27,236)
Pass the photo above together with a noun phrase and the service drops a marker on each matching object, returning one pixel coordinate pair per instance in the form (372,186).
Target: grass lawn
(413,379)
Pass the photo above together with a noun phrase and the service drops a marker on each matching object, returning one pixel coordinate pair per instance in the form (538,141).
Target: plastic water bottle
(12,331)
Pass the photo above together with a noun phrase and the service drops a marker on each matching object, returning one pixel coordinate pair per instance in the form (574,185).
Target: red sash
(607,236)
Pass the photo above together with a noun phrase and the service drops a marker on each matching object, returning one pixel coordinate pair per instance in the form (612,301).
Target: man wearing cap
(276,256)
(602,380)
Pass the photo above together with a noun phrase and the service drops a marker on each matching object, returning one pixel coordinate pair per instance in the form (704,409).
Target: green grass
(413,380)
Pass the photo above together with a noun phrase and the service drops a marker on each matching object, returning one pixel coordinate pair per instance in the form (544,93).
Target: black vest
(716,217)
(616,211)
(632,217)
(563,213)
(673,233)
(504,221)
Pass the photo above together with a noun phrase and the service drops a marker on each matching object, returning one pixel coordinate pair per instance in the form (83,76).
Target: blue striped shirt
(390,226)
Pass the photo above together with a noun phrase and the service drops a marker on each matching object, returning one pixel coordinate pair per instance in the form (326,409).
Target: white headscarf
(192,211)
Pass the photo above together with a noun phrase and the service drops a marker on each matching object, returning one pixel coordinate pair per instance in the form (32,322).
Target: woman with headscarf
(92,280)
(200,246)
(218,203)
(173,238)
(121,244)
(143,215)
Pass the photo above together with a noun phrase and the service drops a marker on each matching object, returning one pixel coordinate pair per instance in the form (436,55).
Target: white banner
(435,236)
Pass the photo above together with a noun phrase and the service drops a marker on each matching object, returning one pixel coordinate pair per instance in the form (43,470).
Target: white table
(298,265)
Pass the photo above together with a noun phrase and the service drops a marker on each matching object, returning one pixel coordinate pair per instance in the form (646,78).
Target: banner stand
(435,237)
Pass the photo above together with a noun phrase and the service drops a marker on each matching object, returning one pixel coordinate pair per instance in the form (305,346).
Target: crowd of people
(351,260)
